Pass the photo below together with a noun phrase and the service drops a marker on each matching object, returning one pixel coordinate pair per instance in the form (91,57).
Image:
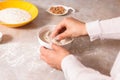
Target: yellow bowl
(30,8)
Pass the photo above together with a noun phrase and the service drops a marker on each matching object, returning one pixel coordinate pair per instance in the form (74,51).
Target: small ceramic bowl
(66,10)
(30,8)
(41,34)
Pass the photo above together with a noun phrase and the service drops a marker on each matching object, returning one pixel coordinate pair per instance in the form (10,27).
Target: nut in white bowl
(59,10)
(45,39)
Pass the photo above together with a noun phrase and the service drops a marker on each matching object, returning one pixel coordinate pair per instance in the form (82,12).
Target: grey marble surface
(19,50)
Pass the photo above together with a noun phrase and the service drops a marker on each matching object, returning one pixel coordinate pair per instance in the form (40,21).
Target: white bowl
(42,30)
(65,7)
(40,36)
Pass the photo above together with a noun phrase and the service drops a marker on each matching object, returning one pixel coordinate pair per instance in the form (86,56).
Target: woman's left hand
(53,56)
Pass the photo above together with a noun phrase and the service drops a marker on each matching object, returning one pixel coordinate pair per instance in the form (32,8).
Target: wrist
(84,30)
(63,60)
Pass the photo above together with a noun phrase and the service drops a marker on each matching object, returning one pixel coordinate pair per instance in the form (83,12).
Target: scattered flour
(14,15)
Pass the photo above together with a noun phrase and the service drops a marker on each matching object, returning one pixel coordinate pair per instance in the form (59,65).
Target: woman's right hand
(69,27)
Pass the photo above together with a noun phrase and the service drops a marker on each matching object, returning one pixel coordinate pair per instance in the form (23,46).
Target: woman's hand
(53,56)
(69,27)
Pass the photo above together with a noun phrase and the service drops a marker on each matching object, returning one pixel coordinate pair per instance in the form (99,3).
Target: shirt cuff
(70,61)
(93,29)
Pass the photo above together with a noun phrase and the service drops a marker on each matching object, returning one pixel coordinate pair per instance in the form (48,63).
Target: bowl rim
(48,45)
(43,43)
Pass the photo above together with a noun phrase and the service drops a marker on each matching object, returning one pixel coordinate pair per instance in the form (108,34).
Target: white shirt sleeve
(106,29)
(75,70)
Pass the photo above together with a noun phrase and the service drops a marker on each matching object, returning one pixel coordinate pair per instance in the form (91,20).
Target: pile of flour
(14,15)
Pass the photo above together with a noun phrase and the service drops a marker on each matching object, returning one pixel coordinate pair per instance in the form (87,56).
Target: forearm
(74,70)
(106,29)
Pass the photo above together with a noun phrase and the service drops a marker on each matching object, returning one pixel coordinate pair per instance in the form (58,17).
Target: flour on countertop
(14,15)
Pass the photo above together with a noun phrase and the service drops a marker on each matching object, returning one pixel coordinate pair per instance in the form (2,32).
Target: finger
(62,35)
(56,47)
(44,51)
(57,29)
(42,57)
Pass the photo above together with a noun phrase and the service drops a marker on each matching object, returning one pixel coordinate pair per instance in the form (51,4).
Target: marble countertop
(19,49)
